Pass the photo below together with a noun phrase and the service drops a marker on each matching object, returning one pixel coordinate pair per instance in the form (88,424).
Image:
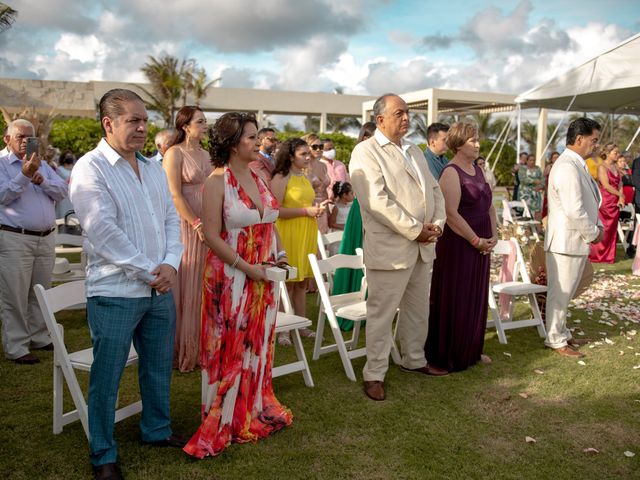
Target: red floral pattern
(238,323)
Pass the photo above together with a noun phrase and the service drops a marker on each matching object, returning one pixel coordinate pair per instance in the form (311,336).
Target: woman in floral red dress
(238,308)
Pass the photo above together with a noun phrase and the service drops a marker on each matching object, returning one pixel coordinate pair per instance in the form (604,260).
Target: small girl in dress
(343,197)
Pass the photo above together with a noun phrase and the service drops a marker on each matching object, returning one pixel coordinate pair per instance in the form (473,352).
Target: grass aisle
(470,425)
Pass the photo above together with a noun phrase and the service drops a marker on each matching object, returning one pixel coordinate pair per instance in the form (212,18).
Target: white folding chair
(515,288)
(287,321)
(626,225)
(526,220)
(66,243)
(351,306)
(52,301)
(328,240)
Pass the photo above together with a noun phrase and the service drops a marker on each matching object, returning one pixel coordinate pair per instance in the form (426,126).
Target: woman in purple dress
(460,285)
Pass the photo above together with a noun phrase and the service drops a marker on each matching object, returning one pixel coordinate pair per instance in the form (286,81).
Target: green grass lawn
(470,425)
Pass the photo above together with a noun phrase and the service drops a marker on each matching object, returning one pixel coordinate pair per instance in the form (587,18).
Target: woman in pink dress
(319,177)
(610,183)
(187,166)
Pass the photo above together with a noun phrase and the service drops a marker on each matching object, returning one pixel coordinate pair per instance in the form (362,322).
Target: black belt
(24,231)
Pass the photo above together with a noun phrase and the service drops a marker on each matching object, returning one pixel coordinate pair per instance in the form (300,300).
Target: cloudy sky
(361,46)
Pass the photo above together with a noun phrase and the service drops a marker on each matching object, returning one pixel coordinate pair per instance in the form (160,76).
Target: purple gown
(460,284)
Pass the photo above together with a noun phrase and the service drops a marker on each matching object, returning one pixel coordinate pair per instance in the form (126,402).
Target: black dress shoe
(28,359)
(108,471)
(175,441)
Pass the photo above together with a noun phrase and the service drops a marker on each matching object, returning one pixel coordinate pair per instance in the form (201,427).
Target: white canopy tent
(609,83)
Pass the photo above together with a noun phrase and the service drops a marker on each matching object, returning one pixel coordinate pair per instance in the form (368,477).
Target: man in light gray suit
(573,224)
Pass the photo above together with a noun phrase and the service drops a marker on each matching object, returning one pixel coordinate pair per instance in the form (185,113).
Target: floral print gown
(238,323)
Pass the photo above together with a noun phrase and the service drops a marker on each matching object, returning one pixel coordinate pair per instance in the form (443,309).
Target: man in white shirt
(133,248)
(573,224)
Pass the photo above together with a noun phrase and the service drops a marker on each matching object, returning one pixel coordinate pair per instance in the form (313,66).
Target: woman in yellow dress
(296,223)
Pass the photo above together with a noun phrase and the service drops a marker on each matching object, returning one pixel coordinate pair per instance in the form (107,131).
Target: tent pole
(635,135)
(518,133)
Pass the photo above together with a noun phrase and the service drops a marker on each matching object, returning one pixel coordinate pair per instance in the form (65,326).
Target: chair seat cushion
(518,288)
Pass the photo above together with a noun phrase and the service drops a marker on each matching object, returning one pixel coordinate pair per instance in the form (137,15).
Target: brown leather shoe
(568,352)
(427,370)
(374,390)
(108,471)
(576,342)
(28,359)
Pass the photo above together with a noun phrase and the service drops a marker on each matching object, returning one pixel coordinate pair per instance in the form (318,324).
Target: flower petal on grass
(581,362)
(627,453)
(591,450)
(541,372)
(533,440)
(525,395)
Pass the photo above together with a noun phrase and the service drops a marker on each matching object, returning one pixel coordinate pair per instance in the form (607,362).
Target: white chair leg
(317,345)
(342,350)
(297,344)
(395,353)
(535,308)
(58,392)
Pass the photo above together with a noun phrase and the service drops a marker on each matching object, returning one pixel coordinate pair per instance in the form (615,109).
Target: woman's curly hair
(225,134)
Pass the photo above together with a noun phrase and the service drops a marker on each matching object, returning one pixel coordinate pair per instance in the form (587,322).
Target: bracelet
(235,261)
(281,254)
(475,242)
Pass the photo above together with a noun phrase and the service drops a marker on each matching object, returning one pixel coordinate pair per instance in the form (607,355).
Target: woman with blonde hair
(318,176)
(187,166)
(460,284)
(610,183)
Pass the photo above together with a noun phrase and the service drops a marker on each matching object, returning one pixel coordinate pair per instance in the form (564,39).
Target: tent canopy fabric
(609,83)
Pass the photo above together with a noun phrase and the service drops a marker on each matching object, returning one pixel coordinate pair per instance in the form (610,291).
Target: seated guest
(297,220)
(29,189)
(436,148)
(239,309)
(187,166)
(460,284)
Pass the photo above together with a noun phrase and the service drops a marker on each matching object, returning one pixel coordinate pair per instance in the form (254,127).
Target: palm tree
(339,124)
(311,123)
(166,76)
(529,133)
(7,16)
(419,123)
(198,84)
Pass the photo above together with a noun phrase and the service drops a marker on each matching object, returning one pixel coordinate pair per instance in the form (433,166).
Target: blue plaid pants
(115,322)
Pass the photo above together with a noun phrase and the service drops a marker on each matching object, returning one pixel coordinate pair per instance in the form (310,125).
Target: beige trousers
(564,273)
(25,260)
(407,289)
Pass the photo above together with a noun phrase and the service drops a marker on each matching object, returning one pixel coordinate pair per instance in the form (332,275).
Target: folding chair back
(52,301)
(514,288)
(328,240)
(526,220)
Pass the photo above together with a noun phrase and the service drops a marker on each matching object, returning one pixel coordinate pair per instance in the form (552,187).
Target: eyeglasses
(317,146)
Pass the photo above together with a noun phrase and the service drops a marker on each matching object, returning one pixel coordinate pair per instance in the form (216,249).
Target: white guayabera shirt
(131,224)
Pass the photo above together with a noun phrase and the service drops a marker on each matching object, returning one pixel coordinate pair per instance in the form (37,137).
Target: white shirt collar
(383,140)
(576,156)
(112,156)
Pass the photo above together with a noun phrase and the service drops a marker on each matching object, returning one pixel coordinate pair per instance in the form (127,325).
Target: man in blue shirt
(436,148)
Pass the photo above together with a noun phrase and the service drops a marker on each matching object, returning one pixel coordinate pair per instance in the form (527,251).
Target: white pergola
(81,98)
(436,101)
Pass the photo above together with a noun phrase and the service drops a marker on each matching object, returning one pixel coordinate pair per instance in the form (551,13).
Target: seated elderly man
(29,189)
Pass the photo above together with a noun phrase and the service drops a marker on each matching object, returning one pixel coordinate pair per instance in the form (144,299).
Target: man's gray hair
(163,134)
(19,122)
(380,104)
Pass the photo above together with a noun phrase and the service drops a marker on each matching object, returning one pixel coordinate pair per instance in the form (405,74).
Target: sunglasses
(316,147)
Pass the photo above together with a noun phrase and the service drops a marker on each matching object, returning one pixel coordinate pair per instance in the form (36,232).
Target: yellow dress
(299,235)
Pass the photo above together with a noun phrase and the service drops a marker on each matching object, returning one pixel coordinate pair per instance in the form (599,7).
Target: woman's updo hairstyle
(225,134)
